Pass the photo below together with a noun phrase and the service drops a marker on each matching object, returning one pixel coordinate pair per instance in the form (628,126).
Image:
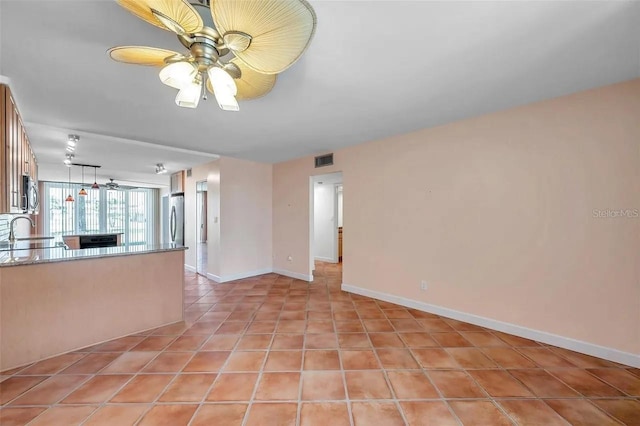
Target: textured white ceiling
(374,69)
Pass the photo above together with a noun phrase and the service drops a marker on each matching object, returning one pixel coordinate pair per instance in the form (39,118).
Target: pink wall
(496,213)
(239,196)
(245,217)
(213,218)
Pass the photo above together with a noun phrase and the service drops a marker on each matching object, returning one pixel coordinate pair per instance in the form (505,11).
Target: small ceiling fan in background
(236,47)
(112,185)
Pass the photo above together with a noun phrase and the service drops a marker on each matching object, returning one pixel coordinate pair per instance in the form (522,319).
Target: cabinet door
(4,173)
(34,167)
(26,153)
(13,140)
(16,157)
(177,183)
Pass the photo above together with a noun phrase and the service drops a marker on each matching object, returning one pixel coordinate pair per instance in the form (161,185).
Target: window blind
(132,211)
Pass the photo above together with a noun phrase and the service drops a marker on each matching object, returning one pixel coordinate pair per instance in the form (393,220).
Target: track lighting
(68,160)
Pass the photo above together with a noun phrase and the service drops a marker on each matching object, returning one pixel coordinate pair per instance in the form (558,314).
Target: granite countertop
(92,234)
(60,254)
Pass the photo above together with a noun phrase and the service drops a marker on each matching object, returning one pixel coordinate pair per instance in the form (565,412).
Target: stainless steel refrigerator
(176,219)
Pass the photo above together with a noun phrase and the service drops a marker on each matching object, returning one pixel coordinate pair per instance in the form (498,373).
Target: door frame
(336,230)
(312,180)
(198,212)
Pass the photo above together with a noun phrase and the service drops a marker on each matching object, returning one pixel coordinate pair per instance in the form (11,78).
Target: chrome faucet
(12,235)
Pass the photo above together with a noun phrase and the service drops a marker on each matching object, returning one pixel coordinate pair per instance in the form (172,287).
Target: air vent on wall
(324,160)
(188,172)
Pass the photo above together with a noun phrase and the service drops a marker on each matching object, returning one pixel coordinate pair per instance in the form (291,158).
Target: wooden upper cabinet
(4,172)
(16,156)
(177,182)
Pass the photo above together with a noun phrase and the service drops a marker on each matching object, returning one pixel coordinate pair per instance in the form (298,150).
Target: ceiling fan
(112,185)
(236,47)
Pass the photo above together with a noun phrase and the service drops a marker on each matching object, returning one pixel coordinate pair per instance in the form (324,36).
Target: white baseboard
(239,276)
(325,259)
(295,275)
(528,333)
(215,278)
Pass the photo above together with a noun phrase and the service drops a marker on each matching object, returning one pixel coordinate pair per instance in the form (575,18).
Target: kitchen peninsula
(55,300)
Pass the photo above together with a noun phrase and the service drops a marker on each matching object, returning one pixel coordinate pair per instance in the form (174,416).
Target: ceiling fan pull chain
(203,87)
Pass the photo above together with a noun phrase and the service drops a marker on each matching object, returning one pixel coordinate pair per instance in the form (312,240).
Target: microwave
(30,199)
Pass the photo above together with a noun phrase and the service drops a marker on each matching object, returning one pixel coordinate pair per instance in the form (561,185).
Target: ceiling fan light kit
(236,48)
(189,95)
(225,89)
(178,74)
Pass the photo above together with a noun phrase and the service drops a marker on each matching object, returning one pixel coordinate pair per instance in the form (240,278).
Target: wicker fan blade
(178,15)
(141,55)
(251,84)
(280,30)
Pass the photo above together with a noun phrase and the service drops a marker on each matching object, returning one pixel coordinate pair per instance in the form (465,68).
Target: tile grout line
(304,353)
(99,405)
(264,362)
(384,372)
(162,392)
(539,367)
(104,403)
(440,346)
(90,376)
(426,373)
(184,366)
(499,368)
(545,369)
(343,373)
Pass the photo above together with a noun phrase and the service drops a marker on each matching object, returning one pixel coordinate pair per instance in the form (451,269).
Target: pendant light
(83,191)
(95,180)
(69,197)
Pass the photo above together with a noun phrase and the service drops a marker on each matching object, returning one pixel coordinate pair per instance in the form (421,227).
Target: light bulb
(222,81)
(227,101)
(224,89)
(178,74)
(189,95)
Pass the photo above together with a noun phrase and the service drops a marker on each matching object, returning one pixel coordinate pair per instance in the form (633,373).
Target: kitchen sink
(18,256)
(30,245)
(35,238)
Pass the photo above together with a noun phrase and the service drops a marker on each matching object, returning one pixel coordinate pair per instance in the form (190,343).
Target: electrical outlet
(289,258)
(423,285)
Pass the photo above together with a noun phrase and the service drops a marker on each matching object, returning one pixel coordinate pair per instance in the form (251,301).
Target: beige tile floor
(272,350)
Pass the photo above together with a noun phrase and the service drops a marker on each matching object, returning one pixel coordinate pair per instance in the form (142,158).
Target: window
(132,211)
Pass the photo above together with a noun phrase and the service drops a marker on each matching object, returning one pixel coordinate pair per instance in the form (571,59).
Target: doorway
(201,228)
(326,219)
